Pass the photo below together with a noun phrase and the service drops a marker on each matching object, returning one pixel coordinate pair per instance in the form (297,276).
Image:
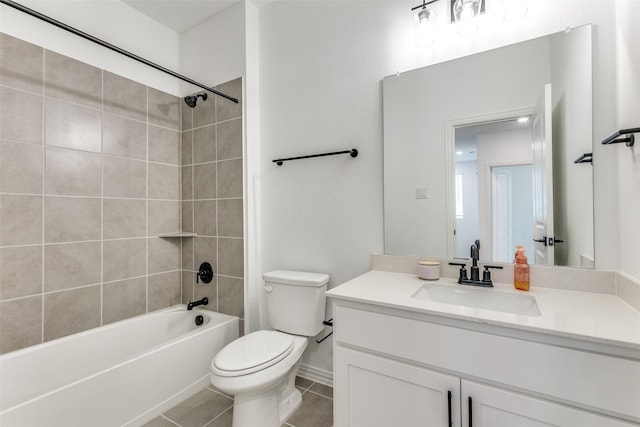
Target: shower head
(191,100)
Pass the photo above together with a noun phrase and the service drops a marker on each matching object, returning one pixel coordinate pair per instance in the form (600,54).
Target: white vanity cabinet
(395,368)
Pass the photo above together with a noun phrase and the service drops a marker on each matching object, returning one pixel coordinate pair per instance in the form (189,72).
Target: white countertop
(585,316)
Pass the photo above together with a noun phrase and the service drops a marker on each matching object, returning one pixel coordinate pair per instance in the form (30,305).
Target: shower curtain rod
(103,43)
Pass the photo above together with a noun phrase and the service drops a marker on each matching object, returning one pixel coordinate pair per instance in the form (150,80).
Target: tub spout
(203,301)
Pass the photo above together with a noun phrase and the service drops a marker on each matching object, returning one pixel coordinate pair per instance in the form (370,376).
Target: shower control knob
(205,273)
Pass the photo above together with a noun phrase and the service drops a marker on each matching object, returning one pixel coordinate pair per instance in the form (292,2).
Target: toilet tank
(296,301)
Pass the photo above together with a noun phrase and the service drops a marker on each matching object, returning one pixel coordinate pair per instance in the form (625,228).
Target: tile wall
(212,200)
(90,169)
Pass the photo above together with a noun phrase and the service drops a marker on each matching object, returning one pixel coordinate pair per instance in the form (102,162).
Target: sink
(489,299)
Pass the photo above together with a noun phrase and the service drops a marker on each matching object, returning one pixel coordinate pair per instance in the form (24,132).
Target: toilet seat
(253,352)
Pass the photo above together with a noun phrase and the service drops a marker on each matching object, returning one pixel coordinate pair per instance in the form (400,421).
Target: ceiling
(180,15)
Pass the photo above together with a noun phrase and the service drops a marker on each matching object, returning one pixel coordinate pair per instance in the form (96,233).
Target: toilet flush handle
(268,288)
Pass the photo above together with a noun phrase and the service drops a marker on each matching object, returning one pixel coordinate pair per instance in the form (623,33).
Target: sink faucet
(475,270)
(475,256)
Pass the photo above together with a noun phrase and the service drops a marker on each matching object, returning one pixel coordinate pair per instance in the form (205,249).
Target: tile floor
(209,408)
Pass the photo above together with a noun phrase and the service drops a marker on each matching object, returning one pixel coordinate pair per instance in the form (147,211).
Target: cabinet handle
(449,407)
(470,412)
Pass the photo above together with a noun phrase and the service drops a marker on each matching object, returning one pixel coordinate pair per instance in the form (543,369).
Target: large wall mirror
(482,148)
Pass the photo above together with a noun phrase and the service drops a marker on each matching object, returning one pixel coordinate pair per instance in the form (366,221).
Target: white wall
(109,20)
(213,51)
(321,66)
(628,35)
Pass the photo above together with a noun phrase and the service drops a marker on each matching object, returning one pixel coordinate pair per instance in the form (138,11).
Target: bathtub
(122,374)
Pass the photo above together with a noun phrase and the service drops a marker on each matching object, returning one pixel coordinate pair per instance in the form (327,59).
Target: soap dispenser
(521,270)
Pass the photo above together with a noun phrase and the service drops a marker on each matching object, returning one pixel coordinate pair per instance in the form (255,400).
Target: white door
(543,179)
(372,391)
(494,407)
(501,241)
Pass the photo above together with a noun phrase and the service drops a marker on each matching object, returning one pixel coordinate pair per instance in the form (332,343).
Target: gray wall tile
(72,311)
(164,290)
(124,137)
(97,152)
(226,109)
(187,216)
(16,333)
(20,271)
(204,181)
(71,219)
(71,80)
(204,217)
(188,283)
(186,142)
(20,220)
(70,265)
(230,139)
(21,167)
(206,250)
(164,217)
(204,113)
(186,182)
(231,296)
(24,123)
(231,257)
(164,181)
(124,299)
(230,218)
(164,145)
(72,172)
(124,97)
(73,126)
(186,116)
(123,259)
(204,144)
(124,178)
(164,109)
(164,254)
(187,253)
(20,64)
(230,178)
(122,218)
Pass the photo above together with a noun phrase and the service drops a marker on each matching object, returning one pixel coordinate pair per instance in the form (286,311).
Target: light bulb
(425,27)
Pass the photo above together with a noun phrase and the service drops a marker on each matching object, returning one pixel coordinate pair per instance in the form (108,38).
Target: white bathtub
(125,373)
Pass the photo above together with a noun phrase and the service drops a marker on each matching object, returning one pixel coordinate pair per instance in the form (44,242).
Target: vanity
(410,352)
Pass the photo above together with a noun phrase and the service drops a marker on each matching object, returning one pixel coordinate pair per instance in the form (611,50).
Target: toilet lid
(253,352)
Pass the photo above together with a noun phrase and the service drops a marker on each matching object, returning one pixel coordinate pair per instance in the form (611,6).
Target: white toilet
(259,369)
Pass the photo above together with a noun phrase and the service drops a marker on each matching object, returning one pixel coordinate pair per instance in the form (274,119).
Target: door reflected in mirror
(494,187)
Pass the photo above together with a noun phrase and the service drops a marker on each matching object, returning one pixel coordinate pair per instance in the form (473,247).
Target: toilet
(259,369)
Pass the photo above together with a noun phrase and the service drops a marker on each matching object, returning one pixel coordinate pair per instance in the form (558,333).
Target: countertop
(599,318)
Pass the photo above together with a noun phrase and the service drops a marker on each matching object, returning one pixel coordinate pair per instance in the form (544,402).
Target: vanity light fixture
(514,9)
(523,120)
(424,24)
(463,13)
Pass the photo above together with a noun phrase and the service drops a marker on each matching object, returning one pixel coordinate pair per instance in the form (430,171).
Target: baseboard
(316,374)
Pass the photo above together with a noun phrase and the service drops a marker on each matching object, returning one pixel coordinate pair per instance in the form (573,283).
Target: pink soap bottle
(521,270)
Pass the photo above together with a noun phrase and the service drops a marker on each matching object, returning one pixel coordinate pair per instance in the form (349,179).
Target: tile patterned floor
(209,408)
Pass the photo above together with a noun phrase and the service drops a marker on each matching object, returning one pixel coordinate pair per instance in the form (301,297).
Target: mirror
(521,183)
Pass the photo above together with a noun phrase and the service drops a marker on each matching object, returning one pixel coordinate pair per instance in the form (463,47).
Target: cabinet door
(493,407)
(372,391)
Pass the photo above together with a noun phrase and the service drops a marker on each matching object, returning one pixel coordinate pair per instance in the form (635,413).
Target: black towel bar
(615,138)
(585,158)
(353,152)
